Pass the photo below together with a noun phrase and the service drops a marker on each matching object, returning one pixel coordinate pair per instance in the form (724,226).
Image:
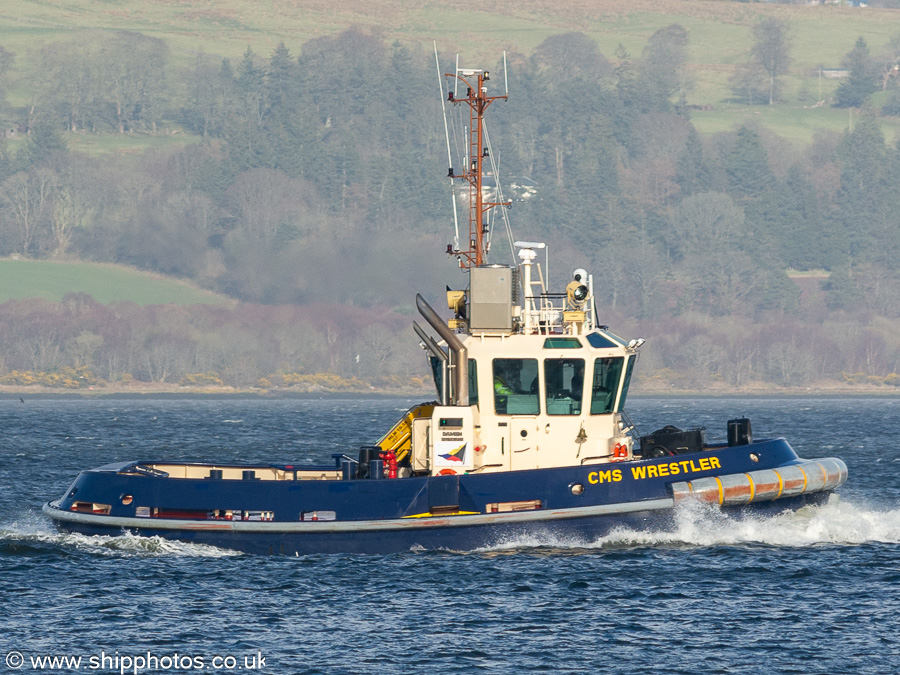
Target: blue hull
(461,513)
(571,532)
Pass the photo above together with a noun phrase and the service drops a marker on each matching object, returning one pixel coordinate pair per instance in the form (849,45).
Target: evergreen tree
(283,125)
(843,293)
(44,141)
(633,96)
(248,144)
(692,171)
(862,78)
(747,167)
(753,185)
(805,232)
(861,196)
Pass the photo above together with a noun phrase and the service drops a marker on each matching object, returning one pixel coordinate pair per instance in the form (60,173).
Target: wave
(31,535)
(837,522)
(702,525)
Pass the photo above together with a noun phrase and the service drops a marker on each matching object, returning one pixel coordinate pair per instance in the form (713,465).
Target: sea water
(817,591)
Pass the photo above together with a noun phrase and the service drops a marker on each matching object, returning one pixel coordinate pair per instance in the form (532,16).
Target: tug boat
(528,436)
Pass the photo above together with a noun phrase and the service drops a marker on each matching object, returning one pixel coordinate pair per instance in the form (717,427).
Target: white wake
(33,530)
(836,523)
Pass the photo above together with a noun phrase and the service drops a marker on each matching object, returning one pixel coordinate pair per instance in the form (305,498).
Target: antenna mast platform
(478,101)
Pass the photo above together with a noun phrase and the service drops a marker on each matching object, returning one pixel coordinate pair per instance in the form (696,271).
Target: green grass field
(720,40)
(20,279)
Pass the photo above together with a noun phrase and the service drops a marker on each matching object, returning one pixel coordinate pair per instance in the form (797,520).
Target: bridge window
(605,384)
(438,370)
(628,370)
(600,341)
(564,384)
(516,387)
(562,343)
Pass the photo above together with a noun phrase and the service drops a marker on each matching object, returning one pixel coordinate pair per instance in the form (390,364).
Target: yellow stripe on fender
(803,477)
(721,491)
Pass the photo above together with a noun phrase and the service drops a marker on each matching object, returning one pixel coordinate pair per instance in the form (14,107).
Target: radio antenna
(437,64)
(505,77)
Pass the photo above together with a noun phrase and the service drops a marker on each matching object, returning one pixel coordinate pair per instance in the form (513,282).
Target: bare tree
(70,211)
(26,199)
(133,79)
(771,50)
(66,80)
(890,61)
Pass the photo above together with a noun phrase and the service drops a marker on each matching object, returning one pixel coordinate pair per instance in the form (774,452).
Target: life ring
(446,472)
(620,451)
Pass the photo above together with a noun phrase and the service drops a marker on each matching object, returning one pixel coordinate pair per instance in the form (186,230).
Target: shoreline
(174,391)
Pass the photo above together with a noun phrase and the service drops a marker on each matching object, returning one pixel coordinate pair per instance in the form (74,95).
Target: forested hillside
(317,177)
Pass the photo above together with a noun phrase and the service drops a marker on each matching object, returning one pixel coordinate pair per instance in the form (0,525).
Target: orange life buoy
(620,451)
(446,472)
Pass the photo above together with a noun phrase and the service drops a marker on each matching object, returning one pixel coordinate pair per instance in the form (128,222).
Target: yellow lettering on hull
(687,466)
(613,476)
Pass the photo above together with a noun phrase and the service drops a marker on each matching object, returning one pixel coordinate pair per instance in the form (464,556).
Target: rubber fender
(794,478)
(835,470)
(737,488)
(703,489)
(765,485)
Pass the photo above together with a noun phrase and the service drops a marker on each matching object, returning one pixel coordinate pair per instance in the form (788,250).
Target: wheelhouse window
(564,385)
(473,382)
(628,370)
(605,384)
(437,371)
(601,341)
(562,343)
(516,387)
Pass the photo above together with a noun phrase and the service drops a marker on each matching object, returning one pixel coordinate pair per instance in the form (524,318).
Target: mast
(475,254)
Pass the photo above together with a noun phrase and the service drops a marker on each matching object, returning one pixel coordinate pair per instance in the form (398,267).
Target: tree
(692,170)
(6,60)
(67,83)
(26,198)
(747,167)
(210,92)
(771,50)
(862,78)
(862,193)
(806,235)
(133,76)
(890,61)
(706,223)
(248,145)
(662,64)
(70,211)
(44,142)
(570,56)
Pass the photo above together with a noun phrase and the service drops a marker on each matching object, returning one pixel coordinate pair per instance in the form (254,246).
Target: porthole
(576,488)
(127,499)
